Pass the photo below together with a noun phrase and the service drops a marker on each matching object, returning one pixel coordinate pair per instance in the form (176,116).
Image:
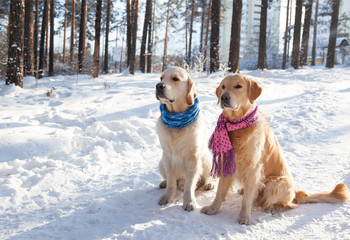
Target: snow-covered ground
(82,163)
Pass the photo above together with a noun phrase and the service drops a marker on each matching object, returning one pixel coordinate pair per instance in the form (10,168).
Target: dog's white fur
(185,153)
(260,166)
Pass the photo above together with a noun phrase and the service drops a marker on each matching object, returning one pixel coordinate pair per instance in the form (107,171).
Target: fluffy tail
(339,194)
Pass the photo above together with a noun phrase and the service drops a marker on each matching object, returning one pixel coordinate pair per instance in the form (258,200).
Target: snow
(83,162)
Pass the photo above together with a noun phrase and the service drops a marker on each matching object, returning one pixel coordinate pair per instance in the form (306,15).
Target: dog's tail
(339,194)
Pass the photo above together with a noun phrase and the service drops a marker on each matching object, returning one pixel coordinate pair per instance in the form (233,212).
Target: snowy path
(83,163)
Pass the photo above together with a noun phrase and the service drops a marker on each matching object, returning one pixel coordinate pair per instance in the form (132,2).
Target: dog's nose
(160,86)
(225,97)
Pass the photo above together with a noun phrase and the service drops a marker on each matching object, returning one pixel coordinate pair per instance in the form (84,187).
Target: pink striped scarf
(220,144)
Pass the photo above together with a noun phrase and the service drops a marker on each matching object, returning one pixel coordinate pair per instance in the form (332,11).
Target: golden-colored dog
(260,166)
(186,158)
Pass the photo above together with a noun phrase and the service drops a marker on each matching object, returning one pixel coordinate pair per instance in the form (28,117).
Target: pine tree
(96,59)
(52,32)
(64,31)
(333,34)
(191,32)
(214,36)
(313,62)
(42,39)
(233,62)
(82,36)
(15,38)
(132,11)
(296,40)
(150,42)
(35,41)
(28,56)
(166,38)
(71,49)
(203,6)
(206,66)
(146,26)
(284,62)
(105,65)
(306,31)
(262,36)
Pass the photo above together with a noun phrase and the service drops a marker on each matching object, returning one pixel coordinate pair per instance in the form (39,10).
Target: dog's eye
(223,87)
(238,86)
(161,79)
(175,79)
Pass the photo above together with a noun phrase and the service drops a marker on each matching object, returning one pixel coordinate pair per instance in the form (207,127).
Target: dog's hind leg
(277,192)
(205,182)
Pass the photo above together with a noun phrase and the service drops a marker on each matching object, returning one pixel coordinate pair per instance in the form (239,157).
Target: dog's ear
(192,94)
(218,93)
(254,90)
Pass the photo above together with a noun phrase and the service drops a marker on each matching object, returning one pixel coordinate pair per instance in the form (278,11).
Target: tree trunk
(96,60)
(42,39)
(286,31)
(64,32)
(233,62)
(28,56)
(151,39)
(35,42)
(262,36)
(191,31)
(186,32)
(333,34)
(315,35)
(105,65)
(47,35)
(214,36)
(296,40)
(121,56)
(15,37)
(128,32)
(206,65)
(71,49)
(82,36)
(202,27)
(150,43)
(135,13)
(52,32)
(306,31)
(146,24)
(166,38)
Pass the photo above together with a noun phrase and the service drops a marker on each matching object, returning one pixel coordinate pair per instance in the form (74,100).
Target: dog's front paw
(209,186)
(164,200)
(209,210)
(244,220)
(190,206)
(162,185)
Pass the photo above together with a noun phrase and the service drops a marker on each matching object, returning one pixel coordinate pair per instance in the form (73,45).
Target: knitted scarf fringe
(223,163)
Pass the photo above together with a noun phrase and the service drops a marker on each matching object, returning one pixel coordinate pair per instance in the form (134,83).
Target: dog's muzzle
(225,101)
(160,87)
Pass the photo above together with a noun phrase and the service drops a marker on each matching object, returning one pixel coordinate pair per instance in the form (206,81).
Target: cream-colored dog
(186,158)
(260,166)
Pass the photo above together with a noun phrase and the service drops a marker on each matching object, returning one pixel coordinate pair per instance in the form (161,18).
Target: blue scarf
(179,120)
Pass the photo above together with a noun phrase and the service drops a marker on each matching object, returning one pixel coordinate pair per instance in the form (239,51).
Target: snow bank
(82,163)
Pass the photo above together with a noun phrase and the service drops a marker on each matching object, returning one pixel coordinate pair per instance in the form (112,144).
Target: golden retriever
(186,158)
(260,166)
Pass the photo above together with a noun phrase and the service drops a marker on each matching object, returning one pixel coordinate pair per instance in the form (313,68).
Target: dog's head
(176,89)
(236,95)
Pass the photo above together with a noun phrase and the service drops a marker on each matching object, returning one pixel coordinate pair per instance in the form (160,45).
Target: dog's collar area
(179,120)
(221,146)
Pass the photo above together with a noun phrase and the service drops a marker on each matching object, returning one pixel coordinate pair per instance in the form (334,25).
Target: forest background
(48,37)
